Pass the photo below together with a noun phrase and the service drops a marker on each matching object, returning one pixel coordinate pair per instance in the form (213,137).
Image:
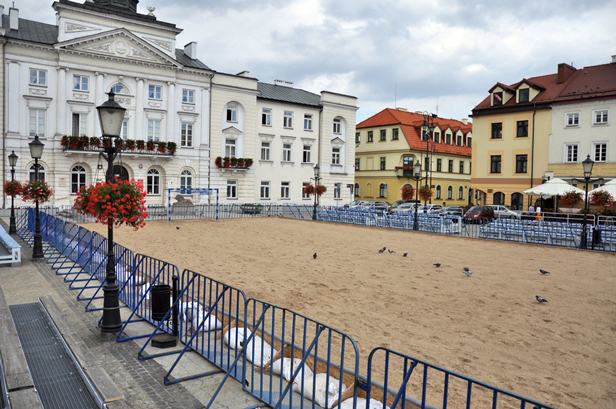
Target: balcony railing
(128,146)
(233,163)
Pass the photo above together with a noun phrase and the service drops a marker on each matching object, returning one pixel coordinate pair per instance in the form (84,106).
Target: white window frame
(36,124)
(437,137)
(231,113)
(597,158)
(124,131)
(286,152)
(285,190)
(264,192)
(337,126)
(153,182)
(306,154)
(186,135)
(82,124)
(41,172)
(459,140)
(395,134)
(266,150)
(186,179)
(288,120)
(469,141)
(81,83)
(304,194)
(460,193)
(230,147)
(231,189)
(155,92)
(567,154)
(335,156)
(38,77)
(266,117)
(438,192)
(188,96)
(154,126)
(572,119)
(604,118)
(116,90)
(78,178)
(450,193)
(307,122)
(448,139)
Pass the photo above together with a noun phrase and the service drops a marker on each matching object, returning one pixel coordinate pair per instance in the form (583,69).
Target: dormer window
(497,98)
(523,95)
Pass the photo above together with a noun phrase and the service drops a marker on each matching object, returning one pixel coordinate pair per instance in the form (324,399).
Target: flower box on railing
(232,163)
(83,143)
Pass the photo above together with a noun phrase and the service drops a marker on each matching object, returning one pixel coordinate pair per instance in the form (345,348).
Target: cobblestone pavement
(140,381)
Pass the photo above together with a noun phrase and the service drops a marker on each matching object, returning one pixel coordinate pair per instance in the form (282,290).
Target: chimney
(564,72)
(1,10)
(464,121)
(190,50)
(13,18)
(402,109)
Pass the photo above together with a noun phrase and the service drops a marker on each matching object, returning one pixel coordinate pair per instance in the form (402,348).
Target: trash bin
(161,302)
(596,239)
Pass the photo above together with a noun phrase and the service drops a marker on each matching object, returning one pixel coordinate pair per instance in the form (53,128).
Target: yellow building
(540,128)
(390,142)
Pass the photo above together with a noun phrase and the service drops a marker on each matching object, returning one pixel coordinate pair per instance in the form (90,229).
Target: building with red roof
(544,127)
(389,143)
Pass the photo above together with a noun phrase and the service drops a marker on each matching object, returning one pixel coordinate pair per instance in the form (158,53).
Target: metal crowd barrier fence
(280,350)
(207,308)
(411,380)
(148,272)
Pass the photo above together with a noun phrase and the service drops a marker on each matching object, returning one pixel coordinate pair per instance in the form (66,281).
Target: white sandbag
(287,371)
(321,388)
(144,290)
(361,404)
(210,324)
(262,353)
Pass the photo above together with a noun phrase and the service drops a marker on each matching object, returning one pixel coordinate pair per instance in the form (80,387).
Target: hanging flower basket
(36,190)
(12,188)
(311,190)
(140,144)
(130,145)
(602,198)
(149,145)
(94,141)
(172,147)
(162,147)
(122,201)
(571,198)
(425,193)
(407,192)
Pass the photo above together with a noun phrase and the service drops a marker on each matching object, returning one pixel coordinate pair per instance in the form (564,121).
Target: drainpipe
(4,123)
(532,155)
(209,144)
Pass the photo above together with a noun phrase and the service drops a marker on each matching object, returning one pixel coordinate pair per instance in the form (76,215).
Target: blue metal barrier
(275,337)
(446,388)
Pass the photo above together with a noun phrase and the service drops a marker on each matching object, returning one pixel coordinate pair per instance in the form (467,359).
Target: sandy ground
(488,326)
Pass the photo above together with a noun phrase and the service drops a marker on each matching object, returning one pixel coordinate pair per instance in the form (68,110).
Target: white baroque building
(56,75)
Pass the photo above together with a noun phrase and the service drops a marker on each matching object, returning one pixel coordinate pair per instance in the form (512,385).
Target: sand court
(488,326)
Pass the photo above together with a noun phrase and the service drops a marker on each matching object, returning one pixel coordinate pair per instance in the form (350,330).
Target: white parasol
(553,187)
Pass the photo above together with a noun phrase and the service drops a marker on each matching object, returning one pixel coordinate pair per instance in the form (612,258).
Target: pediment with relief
(119,43)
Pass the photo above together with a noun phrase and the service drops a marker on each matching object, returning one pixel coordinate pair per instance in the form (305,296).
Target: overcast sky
(404,53)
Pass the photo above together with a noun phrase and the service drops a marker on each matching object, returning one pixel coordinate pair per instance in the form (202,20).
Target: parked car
(452,211)
(381,206)
(403,208)
(430,208)
(479,214)
(397,203)
(353,204)
(501,211)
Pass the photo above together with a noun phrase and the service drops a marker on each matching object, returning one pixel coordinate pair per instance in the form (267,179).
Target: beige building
(390,142)
(544,127)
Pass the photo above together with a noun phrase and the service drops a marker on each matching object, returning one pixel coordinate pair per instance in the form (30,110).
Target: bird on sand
(391,251)
(404,255)
(177,227)
(314,255)
(467,269)
(468,273)
(544,272)
(383,249)
(437,265)
(541,299)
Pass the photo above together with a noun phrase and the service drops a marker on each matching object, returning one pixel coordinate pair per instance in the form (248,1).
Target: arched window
(460,192)
(186,179)
(78,178)
(119,89)
(41,172)
(517,201)
(382,190)
(356,189)
(119,172)
(153,184)
(450,193)
(499,198)
(438,191)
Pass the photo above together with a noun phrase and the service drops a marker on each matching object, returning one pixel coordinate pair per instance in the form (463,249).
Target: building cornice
(511,109)
(235,89)
(337,105)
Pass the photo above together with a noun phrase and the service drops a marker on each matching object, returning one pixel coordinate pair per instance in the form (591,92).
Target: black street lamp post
(587,164)
(13,162)
(316,179)
(417,177)
(427,128)
(36,151)
(111,116)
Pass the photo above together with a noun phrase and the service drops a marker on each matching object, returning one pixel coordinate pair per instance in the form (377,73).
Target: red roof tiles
(410,125)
